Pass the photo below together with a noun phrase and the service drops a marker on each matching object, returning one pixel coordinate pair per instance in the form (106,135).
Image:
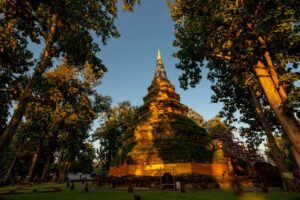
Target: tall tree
(288,183)
(253,37)
(66,29)
(242,95)
(60,114)
(37,122)
(84,161)
(14,63)
(116,123)
(73,116)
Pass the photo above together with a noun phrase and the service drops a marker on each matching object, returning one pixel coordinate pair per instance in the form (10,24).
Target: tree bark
(274,76)
(63,168)
(288,184)
(45,169)
(288,123)
(54,177)
(33,163)
(60,170)
(271,67)
(11,167)
(16,118)
(275,94)
(297,158)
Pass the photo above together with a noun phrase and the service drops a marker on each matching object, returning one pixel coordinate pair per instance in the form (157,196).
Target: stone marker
(86,187)
(130,188)
(72,186)
(137,197)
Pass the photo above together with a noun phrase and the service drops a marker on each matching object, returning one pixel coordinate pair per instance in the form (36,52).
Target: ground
(122,194)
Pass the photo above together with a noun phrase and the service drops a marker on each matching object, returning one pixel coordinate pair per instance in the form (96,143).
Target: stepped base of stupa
(193,175)
(217,170)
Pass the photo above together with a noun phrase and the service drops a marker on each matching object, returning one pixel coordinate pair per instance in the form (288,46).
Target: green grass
(118,194)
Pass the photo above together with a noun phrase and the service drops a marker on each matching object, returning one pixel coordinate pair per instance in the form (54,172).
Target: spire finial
(160,71)
(158,55)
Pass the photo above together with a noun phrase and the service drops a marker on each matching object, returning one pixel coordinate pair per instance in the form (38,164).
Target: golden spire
(159,59)
(158,55)
(160,71)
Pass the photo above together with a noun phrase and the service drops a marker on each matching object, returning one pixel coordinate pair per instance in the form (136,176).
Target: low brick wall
(190,182)
(218,173)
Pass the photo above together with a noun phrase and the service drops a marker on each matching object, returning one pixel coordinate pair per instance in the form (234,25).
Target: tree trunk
(63,168)
(16,118)
(276,94)
(288,123)
(33,163)
(54,177)
(60,170)
(52,143)
(45,169)
(288,184)
(11,167)
(272,70)
(297,158)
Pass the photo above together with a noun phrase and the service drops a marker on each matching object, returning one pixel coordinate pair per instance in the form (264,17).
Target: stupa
(164,138)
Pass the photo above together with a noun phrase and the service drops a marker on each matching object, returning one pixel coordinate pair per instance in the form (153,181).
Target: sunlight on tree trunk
(288,184)
(288,123)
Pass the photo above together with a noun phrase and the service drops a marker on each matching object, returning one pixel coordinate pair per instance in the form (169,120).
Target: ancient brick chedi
(159,104)
(164,138)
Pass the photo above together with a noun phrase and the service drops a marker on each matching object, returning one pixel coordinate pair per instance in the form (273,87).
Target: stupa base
(172,168)
(209,175)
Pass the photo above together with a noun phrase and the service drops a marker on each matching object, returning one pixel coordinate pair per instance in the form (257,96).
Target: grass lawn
(118,194)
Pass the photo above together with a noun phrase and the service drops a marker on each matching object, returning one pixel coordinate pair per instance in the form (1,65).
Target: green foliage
(62,107)
(64,29)
(218,154)
(186,127)
(182,150)
(76,22)
(190,142)
(116,129)
(224,36)
(283,145)
(58,119)
(228,31)
(74,105)
(125,148)
(238,104)
(15,61)
(215,126)
(196,117)
(83,162)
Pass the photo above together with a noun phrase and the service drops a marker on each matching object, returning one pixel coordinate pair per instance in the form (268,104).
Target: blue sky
(131,59)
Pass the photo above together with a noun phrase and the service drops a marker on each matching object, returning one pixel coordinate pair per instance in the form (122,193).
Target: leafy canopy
(238,33)
(70,29)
